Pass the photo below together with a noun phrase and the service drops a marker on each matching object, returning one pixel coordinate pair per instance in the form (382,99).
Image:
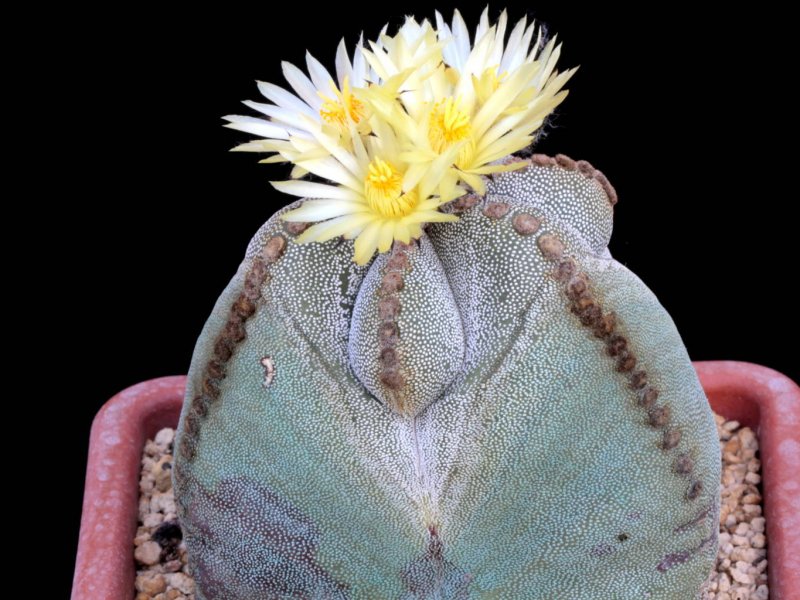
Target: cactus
(491,407)
(499,410)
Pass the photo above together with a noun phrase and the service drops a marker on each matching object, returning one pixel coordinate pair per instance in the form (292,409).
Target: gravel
(740,573)
(741,570)
(162,569)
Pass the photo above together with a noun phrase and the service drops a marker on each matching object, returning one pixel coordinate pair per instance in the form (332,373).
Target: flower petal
(366,243)
(319,210)
(327,230)
(310,189)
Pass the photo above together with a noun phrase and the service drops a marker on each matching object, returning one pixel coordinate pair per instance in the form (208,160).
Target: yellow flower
(489,96)
(505,89)
(379,198)
(317,102)
(412,122)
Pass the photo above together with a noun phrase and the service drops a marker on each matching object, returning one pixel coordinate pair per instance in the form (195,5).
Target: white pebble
(164,503)
(742,528)
(740,576)
(150,583)
(148,553)
(753,478)
(180,582)
(165,437)
(153,520)
(738,540)
(724,582)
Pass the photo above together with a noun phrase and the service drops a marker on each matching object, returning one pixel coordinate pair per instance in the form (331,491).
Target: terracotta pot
(756,396)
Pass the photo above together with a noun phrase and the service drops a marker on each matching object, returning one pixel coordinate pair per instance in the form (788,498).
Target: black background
(682,110)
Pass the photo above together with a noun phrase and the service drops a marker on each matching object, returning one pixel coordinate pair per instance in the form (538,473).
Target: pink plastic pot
(756,396)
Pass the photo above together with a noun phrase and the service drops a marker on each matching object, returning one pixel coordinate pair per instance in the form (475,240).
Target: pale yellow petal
(311,189)
(402,232)
(366,243)
(327,230)
(386,236)
(319,210)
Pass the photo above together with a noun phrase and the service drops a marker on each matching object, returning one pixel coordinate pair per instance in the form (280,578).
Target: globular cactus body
(499,410)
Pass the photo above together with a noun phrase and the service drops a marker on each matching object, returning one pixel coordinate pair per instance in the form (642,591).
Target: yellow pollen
(448,124)
(335,110)
(383,190)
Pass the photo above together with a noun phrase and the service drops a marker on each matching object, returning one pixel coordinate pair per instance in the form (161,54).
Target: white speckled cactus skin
(500,410)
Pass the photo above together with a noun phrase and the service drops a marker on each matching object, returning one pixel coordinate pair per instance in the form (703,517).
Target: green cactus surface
(498,410)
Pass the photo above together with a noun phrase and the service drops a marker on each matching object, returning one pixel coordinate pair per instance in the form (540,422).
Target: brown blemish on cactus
(215,369)
(223,350)
(616,344)
(191,425)
(464,202)
(388,334)
(701,516)
(398,261)
(296,227)
(392,283)
(583,303)
(542,160)
(638,379)
(187,447)
(695,489)
(585,167)
(274,248)
(525,224)
(672,438)
(388,357)
(211,388)
(234,331)
(623,537)
(200,405)
(577,286)
(255,279)
(269,370)
(683,464)
(676,558)
(626,362)
(392,379)
(607,187)
(389,308)
(605,325)
(496,210)
(550,246)
(244,306)
(590,314)
(399,246)
(565,269)
(565,162)
(658,416)
(648,396)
